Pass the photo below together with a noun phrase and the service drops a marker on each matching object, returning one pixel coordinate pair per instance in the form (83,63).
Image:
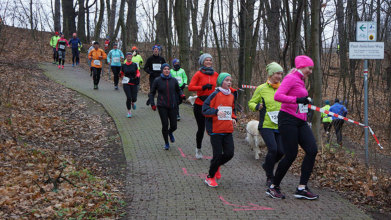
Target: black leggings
(167,114)
(75,55)
(55,55)
(200,119)
(131,94)
(96,74)
(293,132)
(274,150)
(223,151)
(337,124)
(116,70)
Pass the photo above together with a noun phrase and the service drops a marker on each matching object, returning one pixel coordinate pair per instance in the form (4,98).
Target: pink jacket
(292,87)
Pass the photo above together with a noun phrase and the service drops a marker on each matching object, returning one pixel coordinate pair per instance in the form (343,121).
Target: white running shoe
(198,153)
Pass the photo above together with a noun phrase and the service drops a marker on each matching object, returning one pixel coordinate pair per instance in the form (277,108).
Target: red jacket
(211,107)
(200,79)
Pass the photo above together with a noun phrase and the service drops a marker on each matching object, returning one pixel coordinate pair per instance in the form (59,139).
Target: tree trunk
(32,19)
(98,27)
(131,24)
(81,24)
(161,24)
(57,15)
(181,18)
(198,35)
(273,33)
(230,24)
(317,71)
(215,35)
(111,21)
(120,19)
(296,32)
(68,14)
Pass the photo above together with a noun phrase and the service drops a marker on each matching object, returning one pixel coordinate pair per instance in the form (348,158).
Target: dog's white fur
(254,138)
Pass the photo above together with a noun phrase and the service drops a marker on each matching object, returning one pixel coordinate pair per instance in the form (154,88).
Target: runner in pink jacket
(294,130)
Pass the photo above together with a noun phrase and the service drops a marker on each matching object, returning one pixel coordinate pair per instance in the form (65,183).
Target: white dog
(254,138)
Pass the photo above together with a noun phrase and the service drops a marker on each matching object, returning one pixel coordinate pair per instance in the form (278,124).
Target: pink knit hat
(303,61)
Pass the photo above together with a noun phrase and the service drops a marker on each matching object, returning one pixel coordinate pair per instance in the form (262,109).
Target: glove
(183,86)
(303,100)
(153,107)
(207,87)
(183,97)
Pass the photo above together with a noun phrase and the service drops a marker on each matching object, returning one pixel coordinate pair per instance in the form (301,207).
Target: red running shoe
(211,182)
(218,174)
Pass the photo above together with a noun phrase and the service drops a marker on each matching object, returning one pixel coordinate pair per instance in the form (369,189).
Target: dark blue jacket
(338,109)
(74,42)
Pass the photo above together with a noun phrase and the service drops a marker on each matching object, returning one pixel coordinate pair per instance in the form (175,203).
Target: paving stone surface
(169,184)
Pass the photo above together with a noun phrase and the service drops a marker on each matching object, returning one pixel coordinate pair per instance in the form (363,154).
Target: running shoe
(211,182)
(134,106)
(305,194)
(59,66)
(178,118)
(73,65)
(116,87)
(275,193)
(129,115)
(95,86)
(62,67)
(167,147)
(218,174)
(198,153)
(268,182)
(172,138)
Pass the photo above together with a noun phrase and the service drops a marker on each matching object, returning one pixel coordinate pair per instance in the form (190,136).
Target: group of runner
(59,44)
(282,106)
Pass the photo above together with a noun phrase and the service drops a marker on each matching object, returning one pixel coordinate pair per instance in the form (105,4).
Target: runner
(167,101)
(53,43)
(326,119)
(153,67)
(137,57)
(96,56)
(263,101)
(75,42)
(114,59)
(337,123)
(107,44)
(294,129)
(61,45)
(130,81)
(88,52)
(218,109)
(204,83)
(179,74)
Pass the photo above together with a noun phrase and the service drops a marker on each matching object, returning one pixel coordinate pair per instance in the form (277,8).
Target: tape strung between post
(315,108)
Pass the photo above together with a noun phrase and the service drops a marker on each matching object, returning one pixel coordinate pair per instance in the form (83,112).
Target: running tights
(167,115)
(96,74)
(275,150)
(131,94)
(223,151)
(200,119)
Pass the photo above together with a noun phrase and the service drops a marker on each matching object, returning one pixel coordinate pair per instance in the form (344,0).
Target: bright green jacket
(53,41)
(138,60)
(264,94)
(180,75)
(325,117)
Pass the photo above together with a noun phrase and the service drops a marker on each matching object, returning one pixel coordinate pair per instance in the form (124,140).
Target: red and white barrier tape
(315,108)
(248,87)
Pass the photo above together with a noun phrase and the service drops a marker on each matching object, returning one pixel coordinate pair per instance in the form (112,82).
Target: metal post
(366,111)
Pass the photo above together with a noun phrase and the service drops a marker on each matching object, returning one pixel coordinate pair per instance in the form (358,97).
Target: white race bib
(62,46)
(125,80)
(97,62)
(303,108)
(116,59)
(156,66)
(179,80)
(273,116)
(228,113)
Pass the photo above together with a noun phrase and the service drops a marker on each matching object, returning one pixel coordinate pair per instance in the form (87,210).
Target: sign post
(366,31)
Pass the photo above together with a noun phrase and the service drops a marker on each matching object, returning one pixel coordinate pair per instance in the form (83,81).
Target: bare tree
(98,27)
(111,20)
(131,23)
(57,15)
(68,13)
(81,22)
(162,25)
(216,38)
(181,18)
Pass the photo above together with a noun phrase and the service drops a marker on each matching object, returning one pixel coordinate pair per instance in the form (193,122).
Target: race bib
(62,47)
(116,59)
(156,66)
(303,108)
(273,116)
(97,62)
(125,80)
(228,113)
(179,80)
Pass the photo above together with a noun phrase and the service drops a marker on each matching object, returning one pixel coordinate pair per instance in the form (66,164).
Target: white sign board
(366,31)
(366,50)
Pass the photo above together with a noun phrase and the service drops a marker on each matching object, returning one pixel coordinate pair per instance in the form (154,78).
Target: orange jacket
(96,61)
(210,109)
(200,79)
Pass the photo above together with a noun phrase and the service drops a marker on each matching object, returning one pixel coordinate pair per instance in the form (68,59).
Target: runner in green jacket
(53,43)
(263,101)
(179,74)
(326,119)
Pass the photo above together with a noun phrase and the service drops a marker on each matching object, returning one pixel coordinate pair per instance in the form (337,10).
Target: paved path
(169,184)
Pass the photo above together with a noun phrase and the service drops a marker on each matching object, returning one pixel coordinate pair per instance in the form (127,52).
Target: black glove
(303,100)
(207,87)
(183,86)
